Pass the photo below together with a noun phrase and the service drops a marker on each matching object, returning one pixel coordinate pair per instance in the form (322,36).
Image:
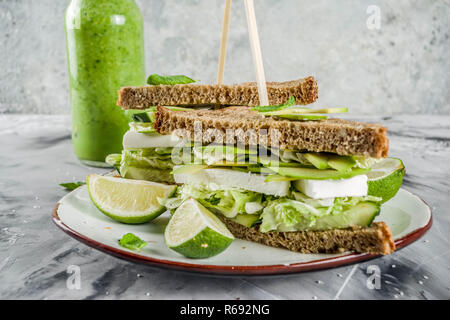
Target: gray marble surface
(34,254)
(402,67)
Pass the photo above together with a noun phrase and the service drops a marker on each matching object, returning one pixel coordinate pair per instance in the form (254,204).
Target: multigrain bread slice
(376,239)
(304,90)
(242,125)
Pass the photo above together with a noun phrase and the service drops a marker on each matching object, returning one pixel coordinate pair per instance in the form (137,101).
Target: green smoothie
(105,49)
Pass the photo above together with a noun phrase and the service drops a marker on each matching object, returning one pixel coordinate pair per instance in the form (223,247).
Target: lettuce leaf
(287,213)
(227,202)
(114,159)
(152,164)
(146,158)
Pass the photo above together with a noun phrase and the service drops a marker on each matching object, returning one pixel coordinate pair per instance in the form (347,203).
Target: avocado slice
(341,163)
(316,174)
(257,169)
(265,161)
(318,160)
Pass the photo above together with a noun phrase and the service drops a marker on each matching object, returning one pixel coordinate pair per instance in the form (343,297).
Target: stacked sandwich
(282,175)
(147,154)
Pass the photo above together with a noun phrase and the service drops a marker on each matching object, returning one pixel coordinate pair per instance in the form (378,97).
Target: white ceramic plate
(406,214)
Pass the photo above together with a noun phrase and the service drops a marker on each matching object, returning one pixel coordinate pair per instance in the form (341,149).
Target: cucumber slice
(362,214)
(302,116)
(291,110)
(302,111)
(247,220)
(149,114)
(318,160)
(316,174)
(148,174)
(144,116)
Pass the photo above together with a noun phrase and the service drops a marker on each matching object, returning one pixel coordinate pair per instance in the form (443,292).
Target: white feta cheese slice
(136,140)
(219,179)
(320,189)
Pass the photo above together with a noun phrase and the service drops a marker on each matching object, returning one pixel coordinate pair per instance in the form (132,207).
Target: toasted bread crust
(376,239)
(304,90)
(241,125)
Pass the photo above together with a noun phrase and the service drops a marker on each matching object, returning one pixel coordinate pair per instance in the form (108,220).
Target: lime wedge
(195,232)
(126,200)
(385,178)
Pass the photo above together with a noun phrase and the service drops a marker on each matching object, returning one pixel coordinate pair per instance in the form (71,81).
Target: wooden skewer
(256,52)
(223,42)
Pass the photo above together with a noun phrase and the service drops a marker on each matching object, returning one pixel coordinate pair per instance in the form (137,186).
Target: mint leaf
(289,103)
(155,79)
(132,242)
(72,185)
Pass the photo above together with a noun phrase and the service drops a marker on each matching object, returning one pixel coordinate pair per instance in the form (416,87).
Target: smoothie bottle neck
(102,11)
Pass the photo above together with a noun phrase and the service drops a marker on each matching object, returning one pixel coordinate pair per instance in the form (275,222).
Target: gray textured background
(402,68)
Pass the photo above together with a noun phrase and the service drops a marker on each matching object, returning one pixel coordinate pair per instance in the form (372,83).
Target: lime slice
(195,232)
(126,200)
(385,178)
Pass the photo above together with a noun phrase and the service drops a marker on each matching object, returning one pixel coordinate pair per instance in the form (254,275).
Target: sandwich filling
(276,190)
(275,205)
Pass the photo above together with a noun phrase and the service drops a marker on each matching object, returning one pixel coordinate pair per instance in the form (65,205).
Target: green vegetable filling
(277,164)
(297,212)
(153,164)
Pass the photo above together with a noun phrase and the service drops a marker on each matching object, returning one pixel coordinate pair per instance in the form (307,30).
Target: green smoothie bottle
(105,51)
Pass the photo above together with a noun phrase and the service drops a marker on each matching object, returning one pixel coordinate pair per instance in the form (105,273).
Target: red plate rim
(320,264)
